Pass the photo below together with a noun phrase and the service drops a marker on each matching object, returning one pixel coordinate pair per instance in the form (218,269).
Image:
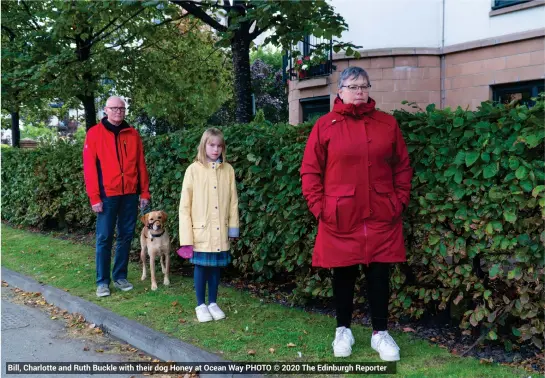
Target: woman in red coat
(356,180)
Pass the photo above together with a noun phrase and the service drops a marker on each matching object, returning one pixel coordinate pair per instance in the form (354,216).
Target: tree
(268,55)
(269,90)
(18,55)
(180,79)
(76,48)
(246,20)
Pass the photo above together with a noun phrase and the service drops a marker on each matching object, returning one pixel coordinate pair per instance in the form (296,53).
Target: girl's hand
(185,251)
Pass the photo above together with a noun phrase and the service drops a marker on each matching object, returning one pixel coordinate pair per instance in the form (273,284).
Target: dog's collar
(158,235)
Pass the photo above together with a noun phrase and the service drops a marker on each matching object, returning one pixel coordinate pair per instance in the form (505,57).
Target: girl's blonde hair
(209,133)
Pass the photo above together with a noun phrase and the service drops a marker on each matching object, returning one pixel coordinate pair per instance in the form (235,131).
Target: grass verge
(251,324)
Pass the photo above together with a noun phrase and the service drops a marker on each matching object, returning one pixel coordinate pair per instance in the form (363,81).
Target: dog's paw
(166,282)
(143,277)
(154,286)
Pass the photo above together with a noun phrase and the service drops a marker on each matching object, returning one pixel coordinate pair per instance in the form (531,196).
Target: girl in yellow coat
(208,219)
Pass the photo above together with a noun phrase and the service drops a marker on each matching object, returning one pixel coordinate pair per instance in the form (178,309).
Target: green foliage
(45,187)
(38,132)
(268,55)
(182,79)
(80,48)
(475,222)
(246,20)
(474,226)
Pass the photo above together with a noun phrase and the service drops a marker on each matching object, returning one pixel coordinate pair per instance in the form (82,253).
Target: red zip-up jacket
(356,178)
(112,165)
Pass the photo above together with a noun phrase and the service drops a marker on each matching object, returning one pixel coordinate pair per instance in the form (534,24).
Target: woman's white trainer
(385,345)
(342,345)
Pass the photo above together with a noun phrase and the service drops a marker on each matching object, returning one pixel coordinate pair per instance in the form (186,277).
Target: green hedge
(474,227)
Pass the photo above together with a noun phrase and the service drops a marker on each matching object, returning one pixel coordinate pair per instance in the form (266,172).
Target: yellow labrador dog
(155,241)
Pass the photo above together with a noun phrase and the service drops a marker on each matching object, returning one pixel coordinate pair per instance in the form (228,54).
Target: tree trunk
(240,47)
(90,110)
(87,97)
(15,131)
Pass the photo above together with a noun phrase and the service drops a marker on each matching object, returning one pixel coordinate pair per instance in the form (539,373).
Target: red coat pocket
(339,208)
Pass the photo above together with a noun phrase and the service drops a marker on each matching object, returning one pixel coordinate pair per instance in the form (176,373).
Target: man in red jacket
(115,173)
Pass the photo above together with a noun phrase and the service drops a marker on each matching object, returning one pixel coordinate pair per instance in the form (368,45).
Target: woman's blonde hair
(209,133)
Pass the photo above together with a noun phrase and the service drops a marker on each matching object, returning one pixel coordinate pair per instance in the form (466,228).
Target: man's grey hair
(353,73)
(116,97)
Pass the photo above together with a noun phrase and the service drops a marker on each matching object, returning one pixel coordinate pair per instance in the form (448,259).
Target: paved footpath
(30,335)
(31,338)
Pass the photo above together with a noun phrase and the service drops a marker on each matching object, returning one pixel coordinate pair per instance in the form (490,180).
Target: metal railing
(302,61)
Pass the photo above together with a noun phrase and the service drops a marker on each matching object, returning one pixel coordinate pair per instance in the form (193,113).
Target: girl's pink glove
(185,251)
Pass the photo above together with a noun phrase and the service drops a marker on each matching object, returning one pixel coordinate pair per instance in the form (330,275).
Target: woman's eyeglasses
(356,88)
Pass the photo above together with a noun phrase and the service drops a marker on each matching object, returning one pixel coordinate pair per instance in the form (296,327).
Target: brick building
(450,53)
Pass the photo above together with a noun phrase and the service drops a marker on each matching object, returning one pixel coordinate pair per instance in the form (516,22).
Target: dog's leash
(146,209)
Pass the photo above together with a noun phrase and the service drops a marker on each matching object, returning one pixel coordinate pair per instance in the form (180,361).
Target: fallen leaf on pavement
(99,350)
(86,349)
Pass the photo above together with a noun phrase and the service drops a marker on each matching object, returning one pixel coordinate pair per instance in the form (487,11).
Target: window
(523,92)
(314,107)
(498,4)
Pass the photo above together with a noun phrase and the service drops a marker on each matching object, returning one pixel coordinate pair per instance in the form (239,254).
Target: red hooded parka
(356,180)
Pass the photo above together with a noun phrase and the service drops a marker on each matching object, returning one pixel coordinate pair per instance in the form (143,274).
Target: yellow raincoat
(209,207)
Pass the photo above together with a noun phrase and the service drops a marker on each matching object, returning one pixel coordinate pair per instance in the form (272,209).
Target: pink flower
(307,57)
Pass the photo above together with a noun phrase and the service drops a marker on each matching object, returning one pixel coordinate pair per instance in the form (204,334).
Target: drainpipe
(443,61)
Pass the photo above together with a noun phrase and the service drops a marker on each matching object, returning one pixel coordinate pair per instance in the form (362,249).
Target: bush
(475,223)
(474,227)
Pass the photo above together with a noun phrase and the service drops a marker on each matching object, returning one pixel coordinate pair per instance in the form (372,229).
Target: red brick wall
(406,77)
(469,74)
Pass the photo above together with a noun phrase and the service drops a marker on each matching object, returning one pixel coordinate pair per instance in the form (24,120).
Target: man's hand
(143,203)
(97,208)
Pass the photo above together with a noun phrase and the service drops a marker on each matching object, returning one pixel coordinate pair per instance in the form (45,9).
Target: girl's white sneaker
(215,311)
(203,315)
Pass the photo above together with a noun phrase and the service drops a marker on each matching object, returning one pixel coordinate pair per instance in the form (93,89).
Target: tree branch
(27,8)
(257,32)
(172,20)
(196,11)
(103,29)
(118,27)
(226,6)
(10,32)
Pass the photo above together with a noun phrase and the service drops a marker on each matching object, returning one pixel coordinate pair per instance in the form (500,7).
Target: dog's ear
(144,218)
(164,215)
